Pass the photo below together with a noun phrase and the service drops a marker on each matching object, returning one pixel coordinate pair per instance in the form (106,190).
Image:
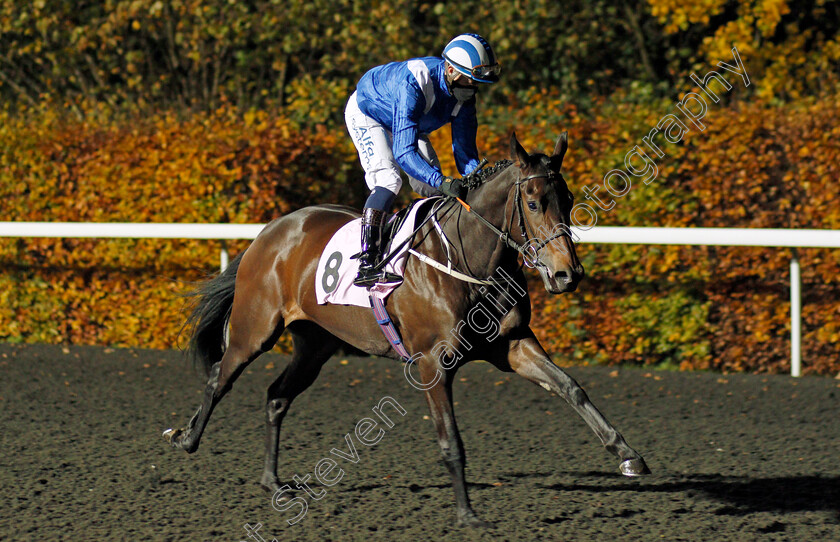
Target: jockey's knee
(387,177)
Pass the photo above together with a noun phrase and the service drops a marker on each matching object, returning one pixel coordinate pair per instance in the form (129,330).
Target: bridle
(532,246)
(530,249)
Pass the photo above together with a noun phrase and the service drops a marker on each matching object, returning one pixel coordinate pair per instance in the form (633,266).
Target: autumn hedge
(757,164)
(218,167)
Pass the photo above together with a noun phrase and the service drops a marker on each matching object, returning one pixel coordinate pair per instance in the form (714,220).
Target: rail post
(224,257)
(795,316)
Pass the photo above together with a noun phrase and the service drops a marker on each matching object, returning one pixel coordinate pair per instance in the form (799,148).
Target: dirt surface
(737,457)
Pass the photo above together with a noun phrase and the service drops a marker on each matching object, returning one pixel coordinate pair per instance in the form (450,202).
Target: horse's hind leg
(529,360)
(312,348)
(255,327)
(188,438)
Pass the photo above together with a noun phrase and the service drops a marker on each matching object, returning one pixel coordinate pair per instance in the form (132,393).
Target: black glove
(453,188)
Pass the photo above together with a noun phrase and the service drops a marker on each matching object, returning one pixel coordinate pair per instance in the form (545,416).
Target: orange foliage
(211,168)
(757,164)
(727,308)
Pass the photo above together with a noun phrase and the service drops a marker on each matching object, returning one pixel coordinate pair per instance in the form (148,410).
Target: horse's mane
(480,177)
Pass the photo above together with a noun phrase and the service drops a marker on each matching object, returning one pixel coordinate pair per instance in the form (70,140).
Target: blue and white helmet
(471,55)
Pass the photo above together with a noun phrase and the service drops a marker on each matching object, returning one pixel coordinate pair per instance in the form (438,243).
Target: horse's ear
(560,151)
(517,153)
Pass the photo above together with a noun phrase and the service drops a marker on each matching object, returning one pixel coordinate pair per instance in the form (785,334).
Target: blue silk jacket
(411,98)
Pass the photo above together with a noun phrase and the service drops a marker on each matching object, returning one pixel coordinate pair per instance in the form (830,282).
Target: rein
(529,249)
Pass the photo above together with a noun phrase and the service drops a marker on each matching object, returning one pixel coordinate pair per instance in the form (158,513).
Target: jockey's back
(413,85)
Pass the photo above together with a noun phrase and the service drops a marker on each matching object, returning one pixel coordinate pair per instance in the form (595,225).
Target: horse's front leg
(528,358)
(439,398)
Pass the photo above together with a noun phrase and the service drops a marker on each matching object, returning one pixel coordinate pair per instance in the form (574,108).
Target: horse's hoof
(170,434)
(281,498)
(177,439)
(472,520)
(634,467)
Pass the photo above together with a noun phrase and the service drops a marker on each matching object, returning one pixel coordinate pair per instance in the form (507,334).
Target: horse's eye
(532,205)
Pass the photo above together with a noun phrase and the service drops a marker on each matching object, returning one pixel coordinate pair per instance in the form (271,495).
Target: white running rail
(779,238)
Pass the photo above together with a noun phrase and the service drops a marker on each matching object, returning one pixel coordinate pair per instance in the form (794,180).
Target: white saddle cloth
(336,270)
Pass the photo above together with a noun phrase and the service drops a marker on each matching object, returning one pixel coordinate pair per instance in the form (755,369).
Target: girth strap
(387,326)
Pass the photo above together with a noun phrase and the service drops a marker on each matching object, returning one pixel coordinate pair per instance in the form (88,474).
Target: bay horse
(270,288)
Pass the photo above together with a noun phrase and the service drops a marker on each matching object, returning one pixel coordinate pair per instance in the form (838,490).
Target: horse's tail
(209,317)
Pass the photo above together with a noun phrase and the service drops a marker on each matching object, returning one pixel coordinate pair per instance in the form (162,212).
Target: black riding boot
(372,222)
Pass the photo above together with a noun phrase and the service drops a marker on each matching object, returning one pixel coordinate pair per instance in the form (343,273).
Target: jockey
(389,117)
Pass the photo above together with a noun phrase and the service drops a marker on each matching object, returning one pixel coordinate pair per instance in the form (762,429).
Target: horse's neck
(479,250)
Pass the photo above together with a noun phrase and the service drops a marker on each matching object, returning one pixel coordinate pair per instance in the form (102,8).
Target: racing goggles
(489,72)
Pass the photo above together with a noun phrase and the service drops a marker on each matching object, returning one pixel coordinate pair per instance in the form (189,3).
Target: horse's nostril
(565,276)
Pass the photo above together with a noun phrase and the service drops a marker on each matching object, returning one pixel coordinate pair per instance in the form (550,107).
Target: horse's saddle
(337,269)
(392,226)
(397,220)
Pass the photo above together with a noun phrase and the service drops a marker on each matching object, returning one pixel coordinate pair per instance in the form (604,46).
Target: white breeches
(374,144)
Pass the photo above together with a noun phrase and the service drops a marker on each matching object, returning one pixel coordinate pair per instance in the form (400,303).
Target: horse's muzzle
(562,281)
